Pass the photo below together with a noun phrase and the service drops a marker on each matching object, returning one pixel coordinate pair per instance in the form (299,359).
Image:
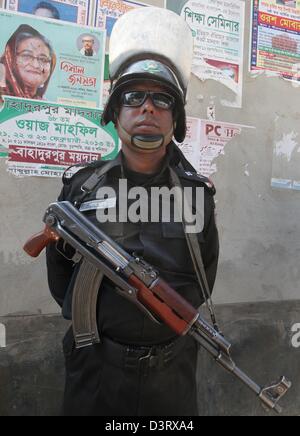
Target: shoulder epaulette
(82,168)
(196,177)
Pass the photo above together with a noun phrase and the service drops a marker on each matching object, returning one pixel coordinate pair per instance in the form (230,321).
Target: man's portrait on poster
(88,45)
(63,10)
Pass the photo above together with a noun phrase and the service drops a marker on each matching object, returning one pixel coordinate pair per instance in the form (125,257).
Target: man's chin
(141,150)
(147,130)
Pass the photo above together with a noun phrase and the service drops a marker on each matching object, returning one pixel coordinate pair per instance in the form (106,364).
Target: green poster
(43,139)
(51,60)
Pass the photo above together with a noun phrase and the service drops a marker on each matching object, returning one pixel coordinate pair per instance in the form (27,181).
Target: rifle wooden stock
(36,244)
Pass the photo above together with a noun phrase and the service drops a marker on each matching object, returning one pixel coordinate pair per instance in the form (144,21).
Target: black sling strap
(91,183)
(194,248)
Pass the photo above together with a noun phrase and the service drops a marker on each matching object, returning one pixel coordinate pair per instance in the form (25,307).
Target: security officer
(140,368)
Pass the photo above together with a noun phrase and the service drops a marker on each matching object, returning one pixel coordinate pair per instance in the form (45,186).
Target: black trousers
(113,380)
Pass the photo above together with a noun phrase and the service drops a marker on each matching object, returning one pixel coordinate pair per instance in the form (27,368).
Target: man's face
(146,119)
(88,43)
(43,12)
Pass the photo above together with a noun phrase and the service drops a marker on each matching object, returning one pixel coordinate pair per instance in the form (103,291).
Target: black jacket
(161,244)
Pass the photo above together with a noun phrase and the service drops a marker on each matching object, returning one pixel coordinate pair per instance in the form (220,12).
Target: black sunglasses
(161,100)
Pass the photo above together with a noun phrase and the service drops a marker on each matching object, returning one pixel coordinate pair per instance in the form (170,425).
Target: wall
(257,288)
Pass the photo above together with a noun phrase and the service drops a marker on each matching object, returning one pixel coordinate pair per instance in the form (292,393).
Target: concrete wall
(257,288)
(32,372)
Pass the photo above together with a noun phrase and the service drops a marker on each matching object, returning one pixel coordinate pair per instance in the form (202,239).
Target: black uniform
(140,368)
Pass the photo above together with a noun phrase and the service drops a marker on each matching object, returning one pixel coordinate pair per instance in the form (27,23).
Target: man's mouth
(145,123)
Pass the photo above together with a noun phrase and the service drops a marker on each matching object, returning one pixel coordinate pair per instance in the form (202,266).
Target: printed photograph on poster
(54,61)
(108,11)
(106,82)
(275,39)
(74,11)
(43,139)
(218,31)
(286,156)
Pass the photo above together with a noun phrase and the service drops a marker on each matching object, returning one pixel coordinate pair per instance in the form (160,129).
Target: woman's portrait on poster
(28,63)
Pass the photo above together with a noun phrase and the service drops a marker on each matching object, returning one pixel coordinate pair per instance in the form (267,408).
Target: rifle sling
(196,255)
(91,183)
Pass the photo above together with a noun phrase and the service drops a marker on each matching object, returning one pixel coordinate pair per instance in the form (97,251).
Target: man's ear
(175,118)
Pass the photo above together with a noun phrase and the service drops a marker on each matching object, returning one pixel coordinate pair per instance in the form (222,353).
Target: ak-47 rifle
(139,282)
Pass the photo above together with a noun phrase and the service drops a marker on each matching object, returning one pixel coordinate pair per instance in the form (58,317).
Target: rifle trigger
(77,257)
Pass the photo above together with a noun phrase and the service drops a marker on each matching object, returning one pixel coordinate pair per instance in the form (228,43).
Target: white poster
(218,30)
(109,11)
(205,141)
(286,153)
(44,139)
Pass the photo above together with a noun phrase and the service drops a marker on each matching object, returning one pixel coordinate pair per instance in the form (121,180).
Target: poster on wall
(214,137)
(43,139)
(74,11)
(275,41)
(218,30)
(109,11)
(51,60)
(286,156)
(106,82)
(205,141)
(190,145)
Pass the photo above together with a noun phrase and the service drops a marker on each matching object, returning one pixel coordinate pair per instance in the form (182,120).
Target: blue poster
(74,11)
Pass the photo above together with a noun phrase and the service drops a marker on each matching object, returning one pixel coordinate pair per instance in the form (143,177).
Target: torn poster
(286,154)
(109,11)
(205,141)
(218,30)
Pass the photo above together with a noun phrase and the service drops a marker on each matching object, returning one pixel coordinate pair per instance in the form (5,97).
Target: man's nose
(148,105)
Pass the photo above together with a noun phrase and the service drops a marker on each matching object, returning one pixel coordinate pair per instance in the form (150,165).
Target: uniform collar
(118,165)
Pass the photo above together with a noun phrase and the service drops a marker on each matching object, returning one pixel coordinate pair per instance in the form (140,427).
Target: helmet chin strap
(146,142)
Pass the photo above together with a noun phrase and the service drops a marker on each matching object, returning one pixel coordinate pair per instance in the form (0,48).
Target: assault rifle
(139,282)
